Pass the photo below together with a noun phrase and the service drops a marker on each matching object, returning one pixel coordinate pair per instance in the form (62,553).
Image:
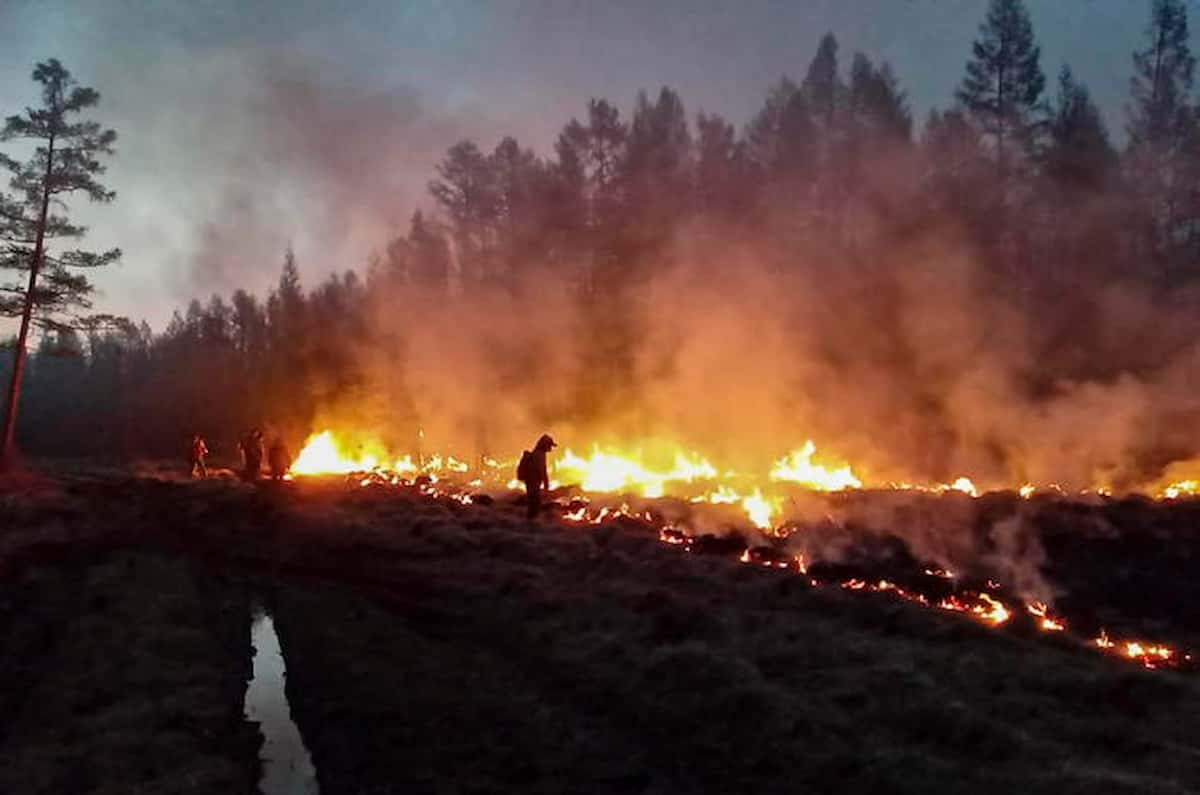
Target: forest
(1005,286)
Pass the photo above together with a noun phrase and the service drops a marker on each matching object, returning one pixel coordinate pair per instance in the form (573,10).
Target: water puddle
(287,768)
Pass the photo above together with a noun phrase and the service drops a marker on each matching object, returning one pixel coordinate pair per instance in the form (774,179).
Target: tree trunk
(14,385)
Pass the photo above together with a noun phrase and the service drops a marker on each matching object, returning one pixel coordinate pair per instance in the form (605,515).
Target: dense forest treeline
(832,190)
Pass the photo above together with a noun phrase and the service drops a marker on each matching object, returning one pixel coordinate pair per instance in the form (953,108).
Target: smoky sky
(246,127)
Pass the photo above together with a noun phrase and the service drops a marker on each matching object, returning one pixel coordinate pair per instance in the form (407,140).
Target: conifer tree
(1161,135)
(50,290)
(1002,90)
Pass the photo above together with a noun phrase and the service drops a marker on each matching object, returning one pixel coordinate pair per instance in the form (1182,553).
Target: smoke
(903,360)
(911,368)
(333,169)
(229,154)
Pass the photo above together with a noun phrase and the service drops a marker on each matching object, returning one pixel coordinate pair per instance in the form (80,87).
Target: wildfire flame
(607,471)
(798,467)
(368,463)
(1046,622)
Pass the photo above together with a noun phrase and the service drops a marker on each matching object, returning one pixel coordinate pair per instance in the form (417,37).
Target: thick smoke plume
(911,370)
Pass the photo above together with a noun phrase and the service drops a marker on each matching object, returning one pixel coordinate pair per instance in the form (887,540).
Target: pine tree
(1079,157)
(876,105)
(954,153)
(1161,132)
(1078,173)
(822,88)
(65,161)
(764,134)
(588,180)
(723,187)
(782,145)
(521,186)
(1163,77)
(1003,86)
(466,191)
(656,171)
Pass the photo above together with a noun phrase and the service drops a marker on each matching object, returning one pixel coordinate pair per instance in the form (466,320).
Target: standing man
(252,455)
(533,472)
(199,451)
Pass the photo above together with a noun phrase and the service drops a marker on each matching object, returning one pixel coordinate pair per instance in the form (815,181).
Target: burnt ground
(439,648)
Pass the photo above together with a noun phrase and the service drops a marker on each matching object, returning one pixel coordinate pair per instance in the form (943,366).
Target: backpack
(525,468)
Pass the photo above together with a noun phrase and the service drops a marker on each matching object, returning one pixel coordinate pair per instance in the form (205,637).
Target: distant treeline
(828,178)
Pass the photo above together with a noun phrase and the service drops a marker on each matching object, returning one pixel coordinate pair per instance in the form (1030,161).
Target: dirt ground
(434,647)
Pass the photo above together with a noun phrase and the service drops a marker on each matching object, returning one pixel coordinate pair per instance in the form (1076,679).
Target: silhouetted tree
(764,135)
(589,159)
(956,166)
(1079,169)
(657,173)
(66,160)
(1079,157)
(521,188)
(1161,132)
(1002,90)
(877,106)
(466,192)
(822,87)
(723,185)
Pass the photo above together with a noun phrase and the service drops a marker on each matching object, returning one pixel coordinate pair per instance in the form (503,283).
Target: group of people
(533,469)
(252,449)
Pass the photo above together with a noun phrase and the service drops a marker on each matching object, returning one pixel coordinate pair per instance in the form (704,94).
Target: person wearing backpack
(533,472)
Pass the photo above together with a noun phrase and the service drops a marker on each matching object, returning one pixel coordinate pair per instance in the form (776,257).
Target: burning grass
(713,503)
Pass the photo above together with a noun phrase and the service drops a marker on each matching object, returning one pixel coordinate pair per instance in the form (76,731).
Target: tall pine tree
(1161,122)
(65,161)
(1079,157)
(1002,90)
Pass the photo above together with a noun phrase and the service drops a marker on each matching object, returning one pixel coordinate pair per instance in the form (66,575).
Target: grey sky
(246,125)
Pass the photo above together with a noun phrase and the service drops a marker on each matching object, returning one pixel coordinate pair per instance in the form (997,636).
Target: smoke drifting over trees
(994,292)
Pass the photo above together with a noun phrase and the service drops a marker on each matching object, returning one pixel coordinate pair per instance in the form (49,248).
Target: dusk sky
(248,125)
